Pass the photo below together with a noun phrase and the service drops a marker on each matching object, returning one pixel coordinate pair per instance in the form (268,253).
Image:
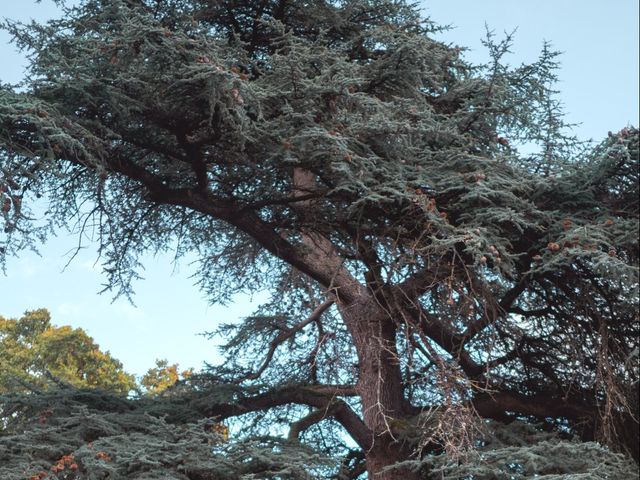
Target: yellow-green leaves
(35,354)
(163,376)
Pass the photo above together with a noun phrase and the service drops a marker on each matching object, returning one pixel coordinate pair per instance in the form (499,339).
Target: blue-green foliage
(334,151)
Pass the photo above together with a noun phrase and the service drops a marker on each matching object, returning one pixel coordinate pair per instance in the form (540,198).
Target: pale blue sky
(599,87)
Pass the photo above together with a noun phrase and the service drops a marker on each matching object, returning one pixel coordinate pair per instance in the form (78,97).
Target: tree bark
(386,452)
(379,384)
(373,331)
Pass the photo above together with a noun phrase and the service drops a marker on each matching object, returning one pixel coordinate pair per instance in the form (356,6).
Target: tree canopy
(163,376)
(35,355)
(426,274)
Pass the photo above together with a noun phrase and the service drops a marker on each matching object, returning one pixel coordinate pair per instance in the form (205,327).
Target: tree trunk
(379,384)
(385,453)
(373,332)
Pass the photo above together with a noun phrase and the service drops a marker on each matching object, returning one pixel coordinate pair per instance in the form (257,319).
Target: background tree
(163,376)
(59,393)
(34,355)
(424,273)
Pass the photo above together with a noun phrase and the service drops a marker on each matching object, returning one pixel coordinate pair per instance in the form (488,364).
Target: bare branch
(285,335)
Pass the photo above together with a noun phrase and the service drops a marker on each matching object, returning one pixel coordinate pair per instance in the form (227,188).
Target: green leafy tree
(34,355)
(162,376)
(424,273)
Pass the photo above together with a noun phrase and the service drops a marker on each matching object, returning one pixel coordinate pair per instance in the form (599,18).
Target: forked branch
(285,335)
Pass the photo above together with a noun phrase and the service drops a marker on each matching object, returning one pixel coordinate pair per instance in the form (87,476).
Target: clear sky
(599,88)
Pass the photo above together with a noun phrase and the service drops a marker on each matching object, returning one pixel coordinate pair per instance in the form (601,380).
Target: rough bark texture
(373,332)
(379,384)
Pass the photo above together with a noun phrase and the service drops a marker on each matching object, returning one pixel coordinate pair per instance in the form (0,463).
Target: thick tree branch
(317,258)
(422,281)
(324,397)
(450,342)
(316,416)
(497,405)
(493,310)
(437,331)
(278,201)
(319,249)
